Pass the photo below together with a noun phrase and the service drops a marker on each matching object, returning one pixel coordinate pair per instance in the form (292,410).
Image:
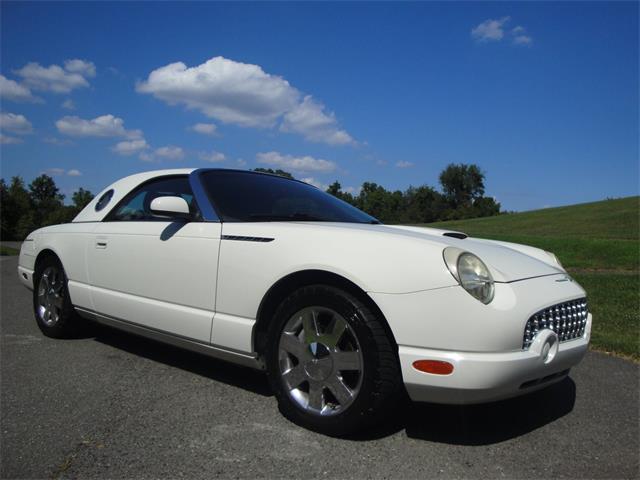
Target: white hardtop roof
(120,189)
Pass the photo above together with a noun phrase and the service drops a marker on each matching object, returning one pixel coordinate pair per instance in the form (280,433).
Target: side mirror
(173,206)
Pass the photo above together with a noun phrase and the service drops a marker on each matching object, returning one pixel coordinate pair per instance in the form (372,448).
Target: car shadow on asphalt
(198,364)
(483,424)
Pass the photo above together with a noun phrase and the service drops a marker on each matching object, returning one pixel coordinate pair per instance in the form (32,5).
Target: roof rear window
(104,200)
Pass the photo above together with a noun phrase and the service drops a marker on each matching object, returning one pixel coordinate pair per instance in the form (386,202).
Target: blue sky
(543,96)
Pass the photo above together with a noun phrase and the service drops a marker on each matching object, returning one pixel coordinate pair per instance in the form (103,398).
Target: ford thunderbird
(344,314)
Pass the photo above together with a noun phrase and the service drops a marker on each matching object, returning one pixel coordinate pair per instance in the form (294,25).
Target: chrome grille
(567,319)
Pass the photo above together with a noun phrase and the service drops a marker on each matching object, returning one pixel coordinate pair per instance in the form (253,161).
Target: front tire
(330,361)
(52,306)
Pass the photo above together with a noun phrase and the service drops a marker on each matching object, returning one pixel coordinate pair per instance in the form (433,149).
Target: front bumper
(486,377)
(482,342)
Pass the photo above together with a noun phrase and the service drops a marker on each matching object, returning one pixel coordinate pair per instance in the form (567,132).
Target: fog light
(436,367)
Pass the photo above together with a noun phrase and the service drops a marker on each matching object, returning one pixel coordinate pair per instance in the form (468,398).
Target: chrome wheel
(50,296)
(320,361)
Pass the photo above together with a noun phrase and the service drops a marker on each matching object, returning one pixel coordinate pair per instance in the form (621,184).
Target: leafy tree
(335,189)
(16,210)
(422,205)
(462,184)
(81,198)
(46,200)
(282,173)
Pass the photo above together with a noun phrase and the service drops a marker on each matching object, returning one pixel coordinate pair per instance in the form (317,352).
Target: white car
(343,313)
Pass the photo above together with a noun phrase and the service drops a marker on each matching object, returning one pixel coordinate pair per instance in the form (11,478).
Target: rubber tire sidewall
(68,325)
(374,392)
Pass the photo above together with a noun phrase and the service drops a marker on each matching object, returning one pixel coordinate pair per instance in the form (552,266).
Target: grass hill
(599,244)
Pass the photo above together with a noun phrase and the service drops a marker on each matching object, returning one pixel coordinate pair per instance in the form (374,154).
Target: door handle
(101,243)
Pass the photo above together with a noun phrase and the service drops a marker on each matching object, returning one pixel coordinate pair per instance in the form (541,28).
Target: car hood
(508,262)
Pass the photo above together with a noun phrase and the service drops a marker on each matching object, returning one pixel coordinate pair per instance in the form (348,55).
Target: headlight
(472,274)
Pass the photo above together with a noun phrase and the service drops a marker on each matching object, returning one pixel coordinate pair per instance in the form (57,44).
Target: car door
(153,271)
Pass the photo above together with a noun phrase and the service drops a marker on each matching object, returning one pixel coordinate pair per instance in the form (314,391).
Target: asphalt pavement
(114,405)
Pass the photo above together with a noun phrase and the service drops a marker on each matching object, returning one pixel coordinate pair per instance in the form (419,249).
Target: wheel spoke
(315,396)
(44,285)
(58,301)
(294,377)
(310,326)
(335,332)
(346,360)
(290,343)
(342,393)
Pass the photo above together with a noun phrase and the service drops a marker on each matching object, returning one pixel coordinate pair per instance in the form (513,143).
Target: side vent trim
(459,235)
(239,238)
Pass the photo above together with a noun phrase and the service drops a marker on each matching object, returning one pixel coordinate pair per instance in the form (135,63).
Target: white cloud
(54,172)
(213,156)
(296,164)
(169,152)
(381,163)
(310,120)
(490,30)
(517,30)
(57,141)
(404,164)
(204,128)
(12,90)
(130,147)
(241,162)
(56,79)
(315,183)
(68,104)
(103,126)
(74,173)
(522,40)
(243,94)
(84,68)
(15,123)
(8,140)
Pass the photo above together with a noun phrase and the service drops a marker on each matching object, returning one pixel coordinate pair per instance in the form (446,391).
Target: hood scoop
(459,235)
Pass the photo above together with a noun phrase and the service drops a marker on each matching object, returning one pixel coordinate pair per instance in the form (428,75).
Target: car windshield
(254,197)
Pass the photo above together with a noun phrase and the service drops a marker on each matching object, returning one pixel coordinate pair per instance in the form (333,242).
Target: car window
(254,197)
(136,206)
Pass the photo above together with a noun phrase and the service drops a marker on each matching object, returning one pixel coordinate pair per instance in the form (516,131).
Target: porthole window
(104,200)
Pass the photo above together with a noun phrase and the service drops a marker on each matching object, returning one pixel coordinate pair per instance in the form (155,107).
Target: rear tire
(330,362)
(52,306)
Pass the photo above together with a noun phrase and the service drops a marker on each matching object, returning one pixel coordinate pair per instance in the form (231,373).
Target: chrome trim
(204,203)
(214,351)
(240,238)
(567,319)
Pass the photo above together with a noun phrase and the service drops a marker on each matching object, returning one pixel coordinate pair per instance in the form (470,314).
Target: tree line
(25,208)
(461,196)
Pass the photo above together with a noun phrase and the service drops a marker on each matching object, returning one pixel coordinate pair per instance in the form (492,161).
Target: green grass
(599,244)
(4,251)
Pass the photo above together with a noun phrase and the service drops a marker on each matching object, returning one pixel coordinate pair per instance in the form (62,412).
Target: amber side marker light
(435,367)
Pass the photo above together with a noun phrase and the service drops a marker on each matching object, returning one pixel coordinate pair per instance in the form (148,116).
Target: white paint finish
(81,294)
(181,320)
(172,277)
(120,189)
(451,319)
(171,262)
(232,332)
(28,281)
(484,377)
(372,257)
(69,243)
(170,204)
